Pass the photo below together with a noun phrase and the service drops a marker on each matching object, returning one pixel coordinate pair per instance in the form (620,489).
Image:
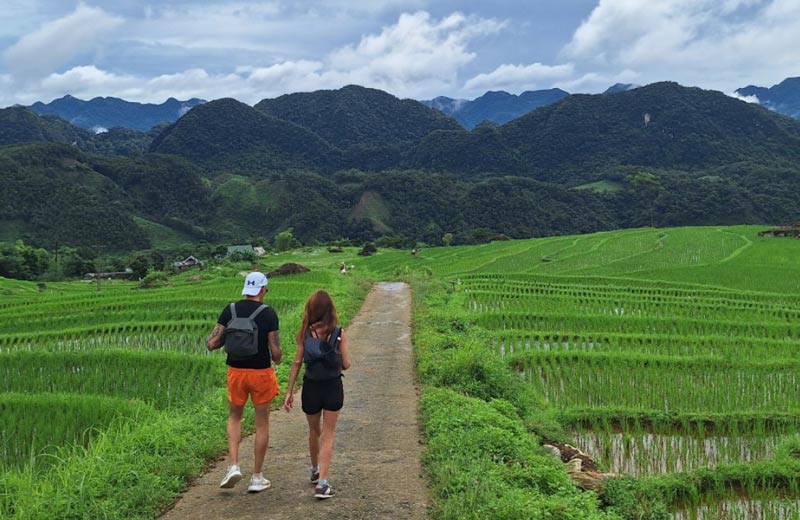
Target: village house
(188,263)
(782,231)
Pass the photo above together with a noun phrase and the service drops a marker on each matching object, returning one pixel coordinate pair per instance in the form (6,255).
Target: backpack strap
(233,310)
(257,311)
(337,332)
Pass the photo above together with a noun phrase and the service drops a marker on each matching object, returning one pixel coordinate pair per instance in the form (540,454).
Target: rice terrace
(668,357)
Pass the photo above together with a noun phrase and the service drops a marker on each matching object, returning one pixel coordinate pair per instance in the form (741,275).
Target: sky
(421,49)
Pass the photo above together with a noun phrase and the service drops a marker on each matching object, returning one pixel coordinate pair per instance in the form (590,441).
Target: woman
(322,346)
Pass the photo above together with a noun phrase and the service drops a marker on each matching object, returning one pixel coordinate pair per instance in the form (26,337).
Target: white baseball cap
(253,283)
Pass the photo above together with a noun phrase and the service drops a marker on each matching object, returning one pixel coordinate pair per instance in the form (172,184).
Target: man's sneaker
(233,476)
(258,483)
(314,477)
(324,491)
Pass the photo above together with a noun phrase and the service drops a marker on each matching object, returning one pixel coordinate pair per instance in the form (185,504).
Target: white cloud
(55,43)
(715,44)
(747,99)
(517,78)
(416,56)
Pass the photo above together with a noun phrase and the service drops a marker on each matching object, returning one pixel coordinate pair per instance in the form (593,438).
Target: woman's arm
(343,350)
(288,400)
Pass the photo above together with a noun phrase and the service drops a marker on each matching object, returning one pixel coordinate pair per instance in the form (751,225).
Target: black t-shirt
(267,321)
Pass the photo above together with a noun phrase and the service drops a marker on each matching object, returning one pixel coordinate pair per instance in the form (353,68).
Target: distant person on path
(249,331)
(322,346)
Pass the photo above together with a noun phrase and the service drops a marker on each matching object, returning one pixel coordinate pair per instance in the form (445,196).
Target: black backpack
(322,357)
(241,334)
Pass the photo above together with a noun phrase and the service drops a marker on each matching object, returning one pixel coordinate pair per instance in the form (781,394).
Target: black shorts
(322,395)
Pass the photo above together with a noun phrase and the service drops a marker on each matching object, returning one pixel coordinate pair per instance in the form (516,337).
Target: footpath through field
(376,468)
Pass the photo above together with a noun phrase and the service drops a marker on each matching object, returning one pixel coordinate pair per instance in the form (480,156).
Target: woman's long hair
(319,310)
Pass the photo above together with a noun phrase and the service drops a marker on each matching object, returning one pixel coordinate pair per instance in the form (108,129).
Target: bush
(154,279)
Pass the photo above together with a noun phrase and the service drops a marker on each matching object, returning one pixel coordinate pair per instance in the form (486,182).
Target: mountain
(20,125)
(660,155)
(496,106)
(620,87)
(783,97)
(226,133)
(358,116)
(102,113)
(663,125)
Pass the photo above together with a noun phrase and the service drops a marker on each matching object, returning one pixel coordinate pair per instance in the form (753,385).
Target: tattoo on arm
(214,340)
(275,345)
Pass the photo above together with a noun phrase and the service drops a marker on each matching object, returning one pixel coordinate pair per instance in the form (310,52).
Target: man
(250,376)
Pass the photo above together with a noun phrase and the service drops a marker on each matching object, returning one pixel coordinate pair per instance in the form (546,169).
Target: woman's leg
(326,442)
(314,430)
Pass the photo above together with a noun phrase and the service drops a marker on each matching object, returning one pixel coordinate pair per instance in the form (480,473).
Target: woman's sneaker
(233,476)
(258,483)
(314,476)
(323,491)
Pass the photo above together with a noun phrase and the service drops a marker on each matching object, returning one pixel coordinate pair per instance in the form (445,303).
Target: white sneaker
(233,476)
(258,483)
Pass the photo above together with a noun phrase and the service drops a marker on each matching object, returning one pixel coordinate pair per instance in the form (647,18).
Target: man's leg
(234,432)
(262,436)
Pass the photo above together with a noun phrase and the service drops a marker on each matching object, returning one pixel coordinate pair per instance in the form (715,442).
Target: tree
(285,240)
(447,239)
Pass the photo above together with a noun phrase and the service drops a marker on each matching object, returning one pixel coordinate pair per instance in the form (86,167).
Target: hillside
(783,97)
(226,134)
(108,112)
(496,106)
(358,116)
(226,171)
(52,196)
(20,125)
(663,125)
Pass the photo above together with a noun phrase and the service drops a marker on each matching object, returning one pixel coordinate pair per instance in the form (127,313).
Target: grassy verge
(133,469)
(483,427)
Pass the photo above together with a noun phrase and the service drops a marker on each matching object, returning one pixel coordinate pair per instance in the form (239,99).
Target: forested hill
(495,106)
(108,112)
(783,97)
(358,116)
(228,134)
(360,164)
(20,125)
(663,125)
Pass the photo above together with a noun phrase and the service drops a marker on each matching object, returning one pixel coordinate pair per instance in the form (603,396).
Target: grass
(669,342)
(113,389)
(690,330)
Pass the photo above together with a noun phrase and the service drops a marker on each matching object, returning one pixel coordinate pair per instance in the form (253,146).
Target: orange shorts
(260,385)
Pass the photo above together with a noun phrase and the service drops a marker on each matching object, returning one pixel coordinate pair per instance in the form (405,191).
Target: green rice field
(663,352)
(669,355)
(87,367)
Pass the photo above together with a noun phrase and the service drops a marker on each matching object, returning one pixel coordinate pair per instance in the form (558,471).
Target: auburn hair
(319,310)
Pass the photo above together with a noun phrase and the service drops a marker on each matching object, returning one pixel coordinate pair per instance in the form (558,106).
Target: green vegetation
(360,165)
(106,387)
(603,186)
(669,355)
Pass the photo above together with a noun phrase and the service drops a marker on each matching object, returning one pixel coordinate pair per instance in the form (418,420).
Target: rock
(553,450)
(580,466)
